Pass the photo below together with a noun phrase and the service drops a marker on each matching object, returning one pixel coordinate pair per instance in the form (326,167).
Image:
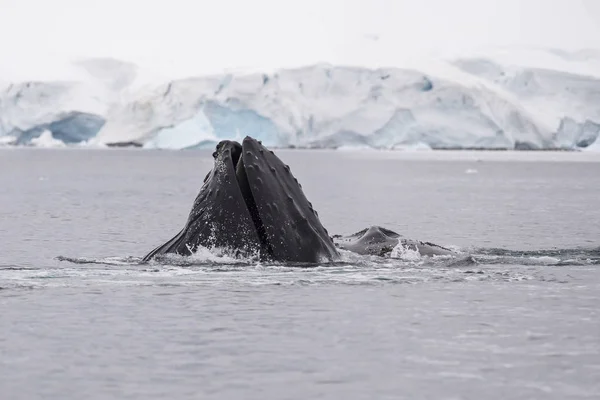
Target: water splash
(406,252)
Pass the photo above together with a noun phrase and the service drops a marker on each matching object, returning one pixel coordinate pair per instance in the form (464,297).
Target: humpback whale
(252,205)
(380,241)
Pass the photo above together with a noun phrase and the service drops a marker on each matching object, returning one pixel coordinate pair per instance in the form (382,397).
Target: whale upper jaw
(250,202)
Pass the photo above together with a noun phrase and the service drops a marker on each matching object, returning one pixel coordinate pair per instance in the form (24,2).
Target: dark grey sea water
(515,316)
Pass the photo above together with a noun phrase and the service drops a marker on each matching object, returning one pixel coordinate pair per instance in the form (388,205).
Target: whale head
(250,202)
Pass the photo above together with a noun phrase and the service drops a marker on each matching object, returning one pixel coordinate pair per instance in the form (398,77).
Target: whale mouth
(246,191)
(251,202)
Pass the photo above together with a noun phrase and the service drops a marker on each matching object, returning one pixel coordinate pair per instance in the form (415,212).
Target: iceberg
(74,127)
(186,134)
(325,106)
(595,147)
(572,134)
(562,92)
(241,121)
(45,139)
(487,102)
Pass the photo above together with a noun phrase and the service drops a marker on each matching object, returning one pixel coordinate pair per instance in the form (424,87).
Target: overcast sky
(201,36)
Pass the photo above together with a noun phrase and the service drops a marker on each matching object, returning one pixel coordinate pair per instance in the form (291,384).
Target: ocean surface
(515,315)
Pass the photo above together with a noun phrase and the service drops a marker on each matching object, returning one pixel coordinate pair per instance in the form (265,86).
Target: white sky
(197,36)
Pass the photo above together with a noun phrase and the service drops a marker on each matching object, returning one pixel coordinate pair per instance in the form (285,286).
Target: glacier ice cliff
(73,127)
(481,103)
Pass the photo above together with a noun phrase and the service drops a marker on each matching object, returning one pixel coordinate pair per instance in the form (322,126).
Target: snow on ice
(497,102)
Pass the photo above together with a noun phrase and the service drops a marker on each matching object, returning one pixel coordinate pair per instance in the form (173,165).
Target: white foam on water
(406,252)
